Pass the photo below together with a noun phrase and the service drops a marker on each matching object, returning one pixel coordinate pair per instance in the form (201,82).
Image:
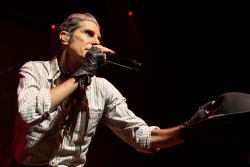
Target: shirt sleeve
(33,93)
(124,123)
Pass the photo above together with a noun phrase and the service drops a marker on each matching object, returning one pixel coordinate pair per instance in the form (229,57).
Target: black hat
(229,122)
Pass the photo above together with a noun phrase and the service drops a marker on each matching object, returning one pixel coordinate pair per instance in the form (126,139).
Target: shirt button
(53,163)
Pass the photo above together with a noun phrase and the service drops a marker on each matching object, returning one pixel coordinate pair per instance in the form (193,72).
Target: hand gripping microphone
(124,62)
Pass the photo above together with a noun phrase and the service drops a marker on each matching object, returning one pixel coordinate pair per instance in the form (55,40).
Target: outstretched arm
(165,138)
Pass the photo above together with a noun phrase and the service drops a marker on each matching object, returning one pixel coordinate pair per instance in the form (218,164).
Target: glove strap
(83,80)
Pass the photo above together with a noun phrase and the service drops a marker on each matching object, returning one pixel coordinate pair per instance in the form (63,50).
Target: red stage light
(130,13)
(53,26)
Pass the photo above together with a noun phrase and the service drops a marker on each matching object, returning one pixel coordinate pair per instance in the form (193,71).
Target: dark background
(191,53)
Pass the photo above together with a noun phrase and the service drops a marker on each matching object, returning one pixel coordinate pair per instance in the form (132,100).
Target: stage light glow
(53,26)
(130,13)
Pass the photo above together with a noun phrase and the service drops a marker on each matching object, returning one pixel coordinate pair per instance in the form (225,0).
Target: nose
(95,40)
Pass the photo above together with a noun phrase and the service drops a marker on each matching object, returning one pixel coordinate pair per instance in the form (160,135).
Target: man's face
(83,38)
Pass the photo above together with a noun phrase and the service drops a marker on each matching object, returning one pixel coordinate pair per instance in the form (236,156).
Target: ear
(64,37)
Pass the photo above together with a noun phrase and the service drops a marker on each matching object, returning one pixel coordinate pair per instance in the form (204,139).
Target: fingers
(209,105)
(104,49)
(211,110)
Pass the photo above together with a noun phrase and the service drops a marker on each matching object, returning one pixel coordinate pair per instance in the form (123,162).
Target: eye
(89,33)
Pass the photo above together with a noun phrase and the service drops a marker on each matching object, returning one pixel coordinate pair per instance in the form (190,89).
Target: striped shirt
(36,129)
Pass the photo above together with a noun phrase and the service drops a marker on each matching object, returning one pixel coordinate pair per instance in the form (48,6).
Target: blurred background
(191,53)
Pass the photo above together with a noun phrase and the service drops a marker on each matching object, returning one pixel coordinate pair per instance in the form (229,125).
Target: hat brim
(218,128)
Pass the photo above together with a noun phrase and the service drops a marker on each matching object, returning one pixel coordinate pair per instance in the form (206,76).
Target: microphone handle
(124,62)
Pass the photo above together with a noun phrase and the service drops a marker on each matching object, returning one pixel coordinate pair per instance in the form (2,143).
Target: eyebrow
(89,30)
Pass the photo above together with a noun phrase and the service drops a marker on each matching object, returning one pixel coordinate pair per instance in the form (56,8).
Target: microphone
(124,62)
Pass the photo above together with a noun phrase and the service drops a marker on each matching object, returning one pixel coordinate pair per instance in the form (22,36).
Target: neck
(68,61)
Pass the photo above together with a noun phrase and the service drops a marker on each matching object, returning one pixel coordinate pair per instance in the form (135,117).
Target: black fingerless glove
(201,113)
(89,67)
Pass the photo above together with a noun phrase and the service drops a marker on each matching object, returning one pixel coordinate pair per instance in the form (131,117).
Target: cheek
(80,44)
(83,52)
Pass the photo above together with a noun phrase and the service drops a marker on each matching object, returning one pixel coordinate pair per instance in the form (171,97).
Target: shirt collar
(55,67)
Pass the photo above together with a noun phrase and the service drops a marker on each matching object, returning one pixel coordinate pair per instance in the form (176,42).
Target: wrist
(82,80)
